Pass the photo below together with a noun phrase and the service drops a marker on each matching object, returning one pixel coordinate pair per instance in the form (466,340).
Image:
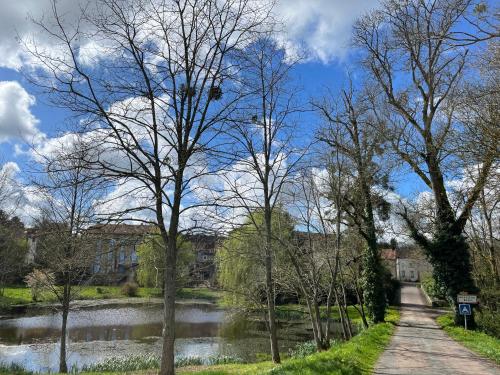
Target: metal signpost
(465,310)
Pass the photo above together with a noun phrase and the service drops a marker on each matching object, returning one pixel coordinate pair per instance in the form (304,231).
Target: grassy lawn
(19,295)
(293,311)
(479,342)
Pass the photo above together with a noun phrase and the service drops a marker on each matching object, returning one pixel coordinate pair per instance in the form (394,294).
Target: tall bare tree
(262,132)
(350,125)
(153,82)
(411,51)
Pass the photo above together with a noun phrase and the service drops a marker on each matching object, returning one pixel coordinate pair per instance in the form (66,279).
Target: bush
(99,290)
(122,364)
(130,289)
(188,361)
(433,289)
(13,369)
(488,321)
(224,360)
(303,349)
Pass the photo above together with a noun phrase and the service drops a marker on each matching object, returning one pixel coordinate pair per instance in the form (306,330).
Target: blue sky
(322,27)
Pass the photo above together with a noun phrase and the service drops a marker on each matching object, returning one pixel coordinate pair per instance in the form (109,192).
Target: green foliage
(13,369)
(476,341)
(151,255)
(373,285)
(188,361)
(13,249)
(391,287)
(223,360)
(303,349)
(122,364)
(450,256)
(488,321)
(433,289)
(240,258)
(488,315)
(130,289)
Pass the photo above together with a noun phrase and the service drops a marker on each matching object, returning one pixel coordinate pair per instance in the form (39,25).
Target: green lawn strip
(357,356)
(295,311)
(479,342)
(20,295)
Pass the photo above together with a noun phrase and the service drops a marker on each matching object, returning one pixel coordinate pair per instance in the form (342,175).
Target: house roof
(388,254)
(121,229)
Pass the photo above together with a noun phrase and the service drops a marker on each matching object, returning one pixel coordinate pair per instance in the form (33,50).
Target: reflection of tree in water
(100,333)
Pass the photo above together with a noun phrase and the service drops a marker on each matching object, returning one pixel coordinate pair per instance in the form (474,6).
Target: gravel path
(420,347)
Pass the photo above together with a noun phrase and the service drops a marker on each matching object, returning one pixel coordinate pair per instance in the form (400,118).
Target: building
(202,271)
(406,263)
(117,260)
(116,257)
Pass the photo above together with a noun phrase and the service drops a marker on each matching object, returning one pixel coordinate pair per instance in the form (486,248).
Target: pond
(96,334)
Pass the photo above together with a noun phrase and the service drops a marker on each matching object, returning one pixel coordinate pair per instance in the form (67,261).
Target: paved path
(420,347)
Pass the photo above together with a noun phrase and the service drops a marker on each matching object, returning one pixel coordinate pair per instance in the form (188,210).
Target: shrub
(130,289)
(39,281)
(224,360)
(122,364)
(433,289)
(188,361)
(303,349)
(488,321)
(13,369)
(99,290)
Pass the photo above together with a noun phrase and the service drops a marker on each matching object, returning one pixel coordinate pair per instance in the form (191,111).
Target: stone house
(116,258)
(406,263)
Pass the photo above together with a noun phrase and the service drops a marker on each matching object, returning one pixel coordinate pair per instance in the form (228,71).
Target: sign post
(465,310)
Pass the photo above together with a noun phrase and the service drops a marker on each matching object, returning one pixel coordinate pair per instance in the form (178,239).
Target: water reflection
(94,335)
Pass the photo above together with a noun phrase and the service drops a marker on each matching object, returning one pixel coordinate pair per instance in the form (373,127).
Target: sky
(321,28)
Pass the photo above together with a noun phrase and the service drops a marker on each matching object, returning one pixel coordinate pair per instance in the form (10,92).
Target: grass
(21,295)
(355,357)
(479,342)
(294,311)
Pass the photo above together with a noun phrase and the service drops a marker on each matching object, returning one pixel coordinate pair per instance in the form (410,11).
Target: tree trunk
(271,310)
(63,366)
(323,344)
(167,359)
(313,323)
(275,354)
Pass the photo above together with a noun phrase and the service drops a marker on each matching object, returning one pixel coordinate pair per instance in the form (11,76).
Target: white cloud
(324,27)
(16,119)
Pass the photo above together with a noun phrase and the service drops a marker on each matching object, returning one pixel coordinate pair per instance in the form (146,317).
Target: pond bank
(17,300)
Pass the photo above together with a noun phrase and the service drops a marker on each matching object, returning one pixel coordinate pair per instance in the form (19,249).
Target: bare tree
(315,265)
(262,132)
(64,251)
(411,50)
(350,130)
(152,100)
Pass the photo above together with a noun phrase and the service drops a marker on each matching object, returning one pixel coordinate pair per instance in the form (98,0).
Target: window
(412,274)
(122,255)
(97,264)
(403,274)
(110,261)
(133,256)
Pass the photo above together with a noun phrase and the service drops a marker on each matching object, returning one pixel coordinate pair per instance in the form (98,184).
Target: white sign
(467,298)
